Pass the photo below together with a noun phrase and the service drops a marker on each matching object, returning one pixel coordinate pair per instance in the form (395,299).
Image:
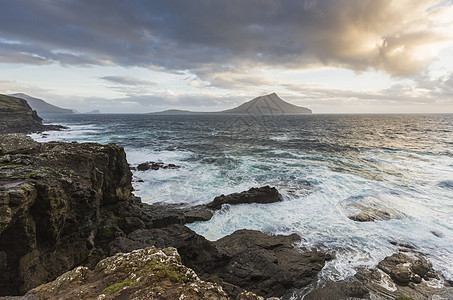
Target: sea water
(327,167)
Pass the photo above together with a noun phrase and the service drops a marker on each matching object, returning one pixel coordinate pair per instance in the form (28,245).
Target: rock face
(149,273)
(51,198)
(264,194)
(16,116)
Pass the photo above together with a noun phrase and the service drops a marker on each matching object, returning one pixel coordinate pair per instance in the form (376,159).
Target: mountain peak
(270,104)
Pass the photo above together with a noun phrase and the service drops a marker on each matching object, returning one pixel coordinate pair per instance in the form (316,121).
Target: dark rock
(264,194)
(437,234)
(164,215)
(51,206)
(150,165)
(339,290)
(16,116)
(267,265)
(404,269)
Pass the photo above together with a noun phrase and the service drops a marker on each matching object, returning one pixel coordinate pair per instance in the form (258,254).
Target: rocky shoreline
(67,211)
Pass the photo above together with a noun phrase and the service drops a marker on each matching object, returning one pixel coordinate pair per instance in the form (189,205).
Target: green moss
(118,286)
(404,298)
(176,277)
(10,165)
(163,270)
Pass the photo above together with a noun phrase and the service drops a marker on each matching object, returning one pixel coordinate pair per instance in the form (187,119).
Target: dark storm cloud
(205,37)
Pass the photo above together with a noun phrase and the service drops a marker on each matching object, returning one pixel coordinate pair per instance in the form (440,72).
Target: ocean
(327,167)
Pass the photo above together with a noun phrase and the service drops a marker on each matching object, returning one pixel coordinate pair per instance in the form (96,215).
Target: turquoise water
(327,167)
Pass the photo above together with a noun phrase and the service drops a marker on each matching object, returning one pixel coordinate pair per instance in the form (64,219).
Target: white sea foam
(321,190)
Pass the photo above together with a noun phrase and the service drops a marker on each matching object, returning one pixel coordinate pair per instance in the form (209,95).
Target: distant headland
(270,104)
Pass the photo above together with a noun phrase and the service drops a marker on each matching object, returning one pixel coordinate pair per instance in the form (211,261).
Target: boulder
(267,265)
(265,194)
(371,214)
(404,268)
(151,165)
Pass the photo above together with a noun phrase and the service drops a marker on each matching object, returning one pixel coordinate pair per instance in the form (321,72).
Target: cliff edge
(16,116)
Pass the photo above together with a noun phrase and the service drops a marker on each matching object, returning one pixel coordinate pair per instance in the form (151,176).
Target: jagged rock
(264,194)
(16,116)
(404,269)
(50,202)
(151,165)
(149,273)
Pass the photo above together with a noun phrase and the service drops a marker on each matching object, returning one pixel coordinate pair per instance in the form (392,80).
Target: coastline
(119,222)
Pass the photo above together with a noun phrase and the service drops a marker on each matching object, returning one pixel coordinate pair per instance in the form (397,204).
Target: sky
(137,56)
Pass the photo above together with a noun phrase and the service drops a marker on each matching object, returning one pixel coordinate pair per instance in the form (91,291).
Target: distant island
(41,106)
(270,104)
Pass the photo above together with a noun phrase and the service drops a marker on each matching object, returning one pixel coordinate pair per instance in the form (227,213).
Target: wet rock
(167,214)
(404,268)
(150,165)
(265,194)
(267,265)
(371,214)
(339,290)
(149,273)
(437,234)
(448,184)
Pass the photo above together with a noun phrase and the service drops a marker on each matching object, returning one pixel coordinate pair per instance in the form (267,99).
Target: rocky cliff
(64,205)
(51,196)
(16,116)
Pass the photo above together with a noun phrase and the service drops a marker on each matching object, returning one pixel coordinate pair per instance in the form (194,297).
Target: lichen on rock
(149,273)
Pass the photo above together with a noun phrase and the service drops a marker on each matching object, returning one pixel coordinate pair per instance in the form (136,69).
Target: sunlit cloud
(400,37)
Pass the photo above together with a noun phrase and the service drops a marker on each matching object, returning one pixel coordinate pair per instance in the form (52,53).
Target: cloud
(128,80)
(400,37)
